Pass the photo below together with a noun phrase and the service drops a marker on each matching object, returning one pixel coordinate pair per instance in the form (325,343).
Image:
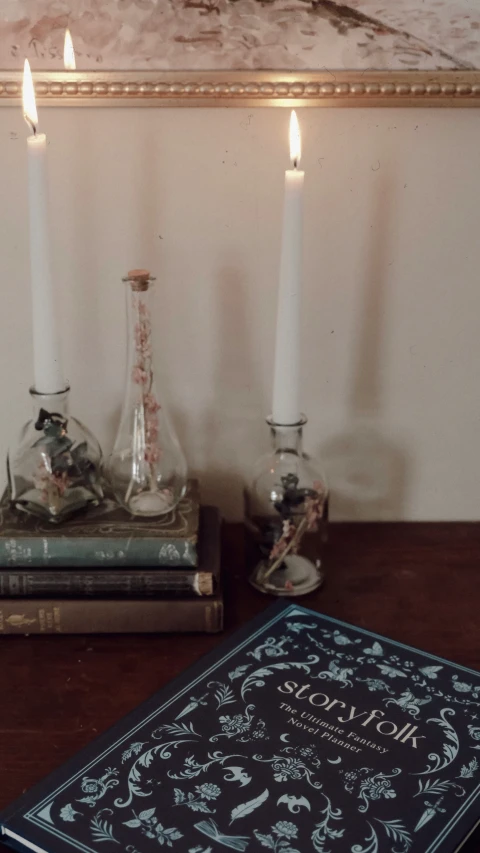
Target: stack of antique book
(107,572)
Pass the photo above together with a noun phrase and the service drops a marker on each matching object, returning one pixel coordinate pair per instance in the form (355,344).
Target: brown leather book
(98,616)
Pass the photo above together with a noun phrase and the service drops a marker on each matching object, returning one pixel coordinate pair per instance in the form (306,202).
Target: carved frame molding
(248,89)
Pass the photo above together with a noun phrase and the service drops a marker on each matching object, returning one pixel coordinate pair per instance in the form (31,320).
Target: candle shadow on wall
(367,470)
(231,433)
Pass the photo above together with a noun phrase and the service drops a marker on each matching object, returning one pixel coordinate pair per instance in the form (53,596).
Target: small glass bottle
(55,470)
(147,470)
(286,514)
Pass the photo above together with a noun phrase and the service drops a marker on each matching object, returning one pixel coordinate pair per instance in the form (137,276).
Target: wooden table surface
(418,583)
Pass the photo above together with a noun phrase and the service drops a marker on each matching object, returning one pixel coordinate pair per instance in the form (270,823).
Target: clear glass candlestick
(55,469)
(286,514)
(146,469)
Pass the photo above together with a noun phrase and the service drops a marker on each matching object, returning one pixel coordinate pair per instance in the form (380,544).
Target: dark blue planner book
(300,733)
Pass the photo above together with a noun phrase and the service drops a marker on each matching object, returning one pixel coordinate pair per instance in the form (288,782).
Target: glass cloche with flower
(54,469)
(286,514)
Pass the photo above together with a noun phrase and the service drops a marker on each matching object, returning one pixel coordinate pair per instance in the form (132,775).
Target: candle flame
(68,52)
(28,95)
(295,140)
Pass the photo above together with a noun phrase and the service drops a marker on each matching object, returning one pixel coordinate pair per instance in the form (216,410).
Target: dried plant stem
(152,465)
(148,407)
(289,548)
(128,493)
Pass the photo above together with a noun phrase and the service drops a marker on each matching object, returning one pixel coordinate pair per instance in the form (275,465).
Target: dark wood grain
(418,583)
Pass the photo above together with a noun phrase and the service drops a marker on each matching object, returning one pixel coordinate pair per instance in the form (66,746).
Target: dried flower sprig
(292,534)
(52,486)
(61,464)
(142,375)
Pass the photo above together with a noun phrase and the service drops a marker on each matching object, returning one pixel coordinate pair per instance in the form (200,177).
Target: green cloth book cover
(102,536)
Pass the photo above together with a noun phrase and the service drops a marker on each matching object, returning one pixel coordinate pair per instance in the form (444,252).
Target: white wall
(392,294)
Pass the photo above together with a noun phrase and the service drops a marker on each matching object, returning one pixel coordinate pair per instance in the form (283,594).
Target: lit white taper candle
(48,376)
(286,407)
(68,52)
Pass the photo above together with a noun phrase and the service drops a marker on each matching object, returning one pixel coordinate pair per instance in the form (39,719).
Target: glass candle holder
(147,470)
(55,469)
(286,515)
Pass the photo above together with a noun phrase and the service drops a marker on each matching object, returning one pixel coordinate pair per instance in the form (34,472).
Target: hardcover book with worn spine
(121,581)
(300,733)
(102,536)
(198,607)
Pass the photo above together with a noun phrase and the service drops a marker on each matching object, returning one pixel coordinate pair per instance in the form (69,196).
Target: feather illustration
(239,671)
(224,694)
(210,829)
(101,829)
(246,808)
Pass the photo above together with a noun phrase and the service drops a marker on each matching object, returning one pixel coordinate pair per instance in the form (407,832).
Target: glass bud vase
(55,469)
(286,514)
(146,469)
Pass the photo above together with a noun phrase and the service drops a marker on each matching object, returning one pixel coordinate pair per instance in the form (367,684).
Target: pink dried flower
(313,511)
(139,375)
(42,474)
(152,454)
(292,534)
(142,375)
(41,480)
(61,482)
(48,482)
(151,436)
(151,404)
(281,544)
(142,339)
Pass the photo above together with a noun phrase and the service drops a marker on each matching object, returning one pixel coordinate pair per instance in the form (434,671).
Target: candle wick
(295,163)
(32,126)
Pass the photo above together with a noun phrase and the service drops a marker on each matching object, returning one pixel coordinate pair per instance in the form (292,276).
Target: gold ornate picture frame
(240,88)
(244,52)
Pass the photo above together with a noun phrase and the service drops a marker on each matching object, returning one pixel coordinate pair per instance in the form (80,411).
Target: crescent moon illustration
(284,737)
(334,761)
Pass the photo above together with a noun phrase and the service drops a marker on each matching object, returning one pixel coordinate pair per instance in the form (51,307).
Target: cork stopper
(139,279)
